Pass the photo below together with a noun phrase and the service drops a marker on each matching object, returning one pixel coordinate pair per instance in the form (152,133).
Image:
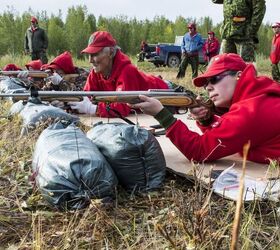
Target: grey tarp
(69,169)
(134,154)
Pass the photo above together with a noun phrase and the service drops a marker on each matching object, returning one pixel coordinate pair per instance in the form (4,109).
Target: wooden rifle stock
(175,101)
(35,73)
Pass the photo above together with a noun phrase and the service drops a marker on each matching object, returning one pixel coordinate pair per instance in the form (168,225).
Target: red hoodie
(275,49)
(124,77)
(253,116)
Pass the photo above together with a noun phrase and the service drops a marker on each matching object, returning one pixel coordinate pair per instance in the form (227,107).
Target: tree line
(73,33)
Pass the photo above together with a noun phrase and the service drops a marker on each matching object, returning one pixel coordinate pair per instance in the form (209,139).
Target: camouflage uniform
(242,19)
(275,72)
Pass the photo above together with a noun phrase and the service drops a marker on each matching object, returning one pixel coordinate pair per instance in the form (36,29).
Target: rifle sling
(119,115)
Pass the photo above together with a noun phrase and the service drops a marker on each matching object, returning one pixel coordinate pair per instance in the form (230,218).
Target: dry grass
(182,215)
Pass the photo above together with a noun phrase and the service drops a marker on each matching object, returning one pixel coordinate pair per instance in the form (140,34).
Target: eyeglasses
(215,79)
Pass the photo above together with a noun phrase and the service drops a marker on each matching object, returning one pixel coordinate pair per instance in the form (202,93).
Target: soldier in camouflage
(242,19)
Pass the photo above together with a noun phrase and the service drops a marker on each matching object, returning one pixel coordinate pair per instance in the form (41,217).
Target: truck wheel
(173,61)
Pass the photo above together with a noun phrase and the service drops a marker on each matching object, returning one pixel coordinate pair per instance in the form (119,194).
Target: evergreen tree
(77,29)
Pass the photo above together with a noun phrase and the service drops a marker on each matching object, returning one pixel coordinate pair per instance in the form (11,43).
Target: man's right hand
(202,114)
(84,107)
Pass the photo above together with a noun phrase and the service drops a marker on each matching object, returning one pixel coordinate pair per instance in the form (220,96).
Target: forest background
(73,33)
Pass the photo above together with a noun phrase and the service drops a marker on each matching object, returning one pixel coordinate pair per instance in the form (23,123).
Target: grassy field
(182,215)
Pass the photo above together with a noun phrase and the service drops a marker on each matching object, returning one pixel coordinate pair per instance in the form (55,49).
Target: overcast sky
(140,9)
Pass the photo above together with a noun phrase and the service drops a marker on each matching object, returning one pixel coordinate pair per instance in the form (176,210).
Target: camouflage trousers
(246,48)
(275,72)
(185,60)
(40,55)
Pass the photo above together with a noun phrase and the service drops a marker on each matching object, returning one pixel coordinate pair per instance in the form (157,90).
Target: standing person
(36,41)
(242,20)
(191,44)
(275,52)
(144,47)
(253,115)
(210,47)
(112,71)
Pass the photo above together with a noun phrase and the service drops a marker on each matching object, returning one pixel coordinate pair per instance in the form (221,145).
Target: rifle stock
(175,101)
(37,74)
(185,99)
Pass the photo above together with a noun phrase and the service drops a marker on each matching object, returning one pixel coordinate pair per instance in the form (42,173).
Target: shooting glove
(55,79)
(84,107)
(23,74)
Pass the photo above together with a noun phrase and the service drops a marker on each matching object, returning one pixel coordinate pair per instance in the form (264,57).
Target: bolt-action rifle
(36,74)
(31,73)
(169,97)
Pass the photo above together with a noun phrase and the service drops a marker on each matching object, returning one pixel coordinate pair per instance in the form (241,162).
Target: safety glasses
(215,79)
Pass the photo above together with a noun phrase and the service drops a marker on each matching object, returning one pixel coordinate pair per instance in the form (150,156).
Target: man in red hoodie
(253,115)
(112,71)
(64,75)
(275,52)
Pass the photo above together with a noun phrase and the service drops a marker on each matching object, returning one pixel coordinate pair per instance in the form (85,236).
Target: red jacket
(275,49)
(124,77)
(212,47)
(254,115)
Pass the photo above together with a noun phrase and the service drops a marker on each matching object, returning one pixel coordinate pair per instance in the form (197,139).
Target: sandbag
(33,114)
(11,85)
(18,106)
(69,169)
(134,154)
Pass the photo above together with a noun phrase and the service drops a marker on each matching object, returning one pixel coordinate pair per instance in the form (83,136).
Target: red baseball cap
(275,25)
(35,64)
(11,67)
(63,62)
(220,64)
(192,25)
(98,40)
(33,20)
(211,33)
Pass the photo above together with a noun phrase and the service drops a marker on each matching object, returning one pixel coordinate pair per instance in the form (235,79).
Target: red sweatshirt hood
(249,85)
(117,67)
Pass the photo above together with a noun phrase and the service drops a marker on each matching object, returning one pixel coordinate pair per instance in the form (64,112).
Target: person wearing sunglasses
(252,103)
